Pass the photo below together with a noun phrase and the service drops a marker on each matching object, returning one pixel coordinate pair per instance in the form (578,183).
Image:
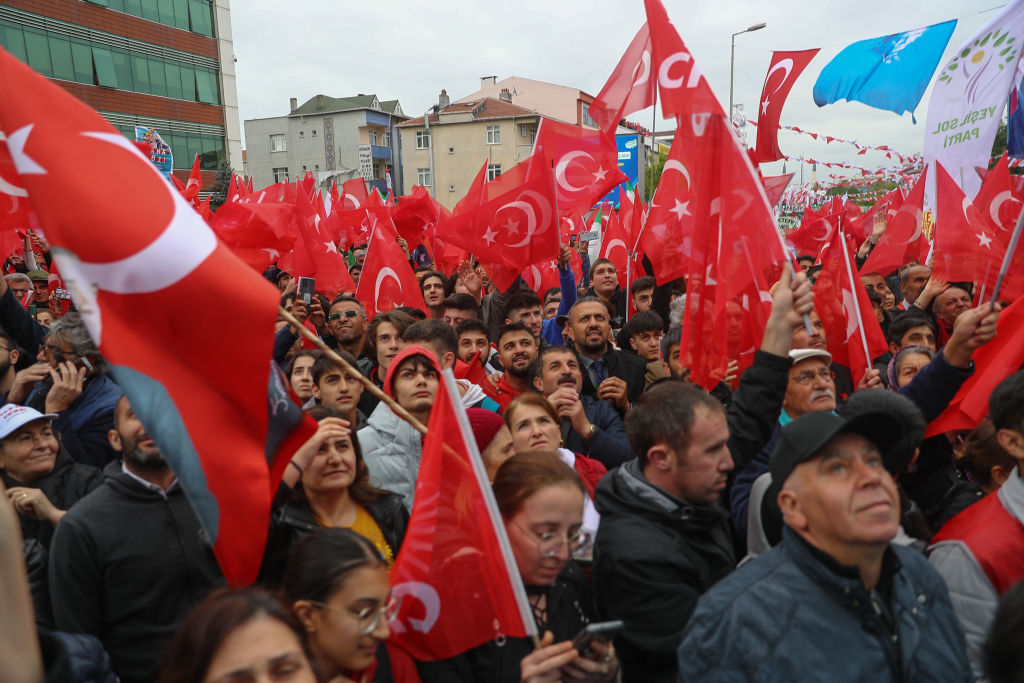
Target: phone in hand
(307,289)
(602,631)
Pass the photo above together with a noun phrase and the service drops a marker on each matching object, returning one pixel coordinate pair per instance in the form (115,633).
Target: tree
(220,185)
(999,143)
(653,174)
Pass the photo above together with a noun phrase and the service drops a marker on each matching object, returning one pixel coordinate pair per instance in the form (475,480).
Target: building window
(280,175)
(373,137)
(493,135)
(316,167)
(422,139)
(423,177)
(277,143)
(386,138)
(587,121)
(301,133)
(493,171)
(314,132)
(528,132)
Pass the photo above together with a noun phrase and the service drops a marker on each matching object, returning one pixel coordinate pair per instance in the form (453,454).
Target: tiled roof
(329,104)
(485,108)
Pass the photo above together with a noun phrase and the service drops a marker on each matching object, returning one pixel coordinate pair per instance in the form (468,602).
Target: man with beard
(517,349)
(608,374)
(9,355)
(129,561)
(347,325)
(589,426)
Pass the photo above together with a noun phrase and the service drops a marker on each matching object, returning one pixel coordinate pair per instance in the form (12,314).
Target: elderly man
(947,307)
(835,600)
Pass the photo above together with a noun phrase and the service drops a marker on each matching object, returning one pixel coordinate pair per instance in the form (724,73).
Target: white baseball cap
(799,355)
(13,416)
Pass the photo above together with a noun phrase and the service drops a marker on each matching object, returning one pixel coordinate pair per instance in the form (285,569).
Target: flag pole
(353,372)
(856,303)
(1008,257)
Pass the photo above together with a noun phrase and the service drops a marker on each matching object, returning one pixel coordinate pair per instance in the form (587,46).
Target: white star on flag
(681,209)
(16,145)
(274,253)
(764,107)
(600,174)
(490,235)
(512,227)
(330,246)
(983,239)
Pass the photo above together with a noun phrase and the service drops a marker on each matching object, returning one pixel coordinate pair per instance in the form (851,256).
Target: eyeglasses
(549,542)
(368,617)
(808,377)
(337,314)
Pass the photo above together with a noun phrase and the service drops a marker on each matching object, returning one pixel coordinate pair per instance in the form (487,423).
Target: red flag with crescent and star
(585,163)
(455,573)
(630,88)
(516,225)
(783,71)
(387,280)
(138,259)
(901,241)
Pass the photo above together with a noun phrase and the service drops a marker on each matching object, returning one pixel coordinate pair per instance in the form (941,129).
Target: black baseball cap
(803,438)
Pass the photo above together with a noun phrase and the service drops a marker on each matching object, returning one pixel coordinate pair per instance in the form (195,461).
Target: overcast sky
(411,50)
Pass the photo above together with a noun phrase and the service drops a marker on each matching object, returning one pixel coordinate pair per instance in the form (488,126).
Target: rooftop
(483,108)
(322,104)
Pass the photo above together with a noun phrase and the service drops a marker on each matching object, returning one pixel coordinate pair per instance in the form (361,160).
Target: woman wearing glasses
(327,484)
(337,584)
(541,502)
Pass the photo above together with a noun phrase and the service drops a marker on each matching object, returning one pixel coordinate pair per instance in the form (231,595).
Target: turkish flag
(540,277)
(683,88)
(353,194)
(413,213)
(585,163)
(571,223)
(901,242)
(195,182)
(458,583)
(845,310)
(993,363)
(136,258)
(630,88)
(315,254)
(16,214)
(775,185)
(965,248)
(518,219)
(256,232)
(783,71)
(715,226)
(616,244)
(999,202)
(387,280)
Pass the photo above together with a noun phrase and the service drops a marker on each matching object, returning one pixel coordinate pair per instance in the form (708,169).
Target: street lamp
(732,61)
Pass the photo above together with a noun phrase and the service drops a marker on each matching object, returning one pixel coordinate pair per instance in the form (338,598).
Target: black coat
(569,610)
(65,485)
(294,519)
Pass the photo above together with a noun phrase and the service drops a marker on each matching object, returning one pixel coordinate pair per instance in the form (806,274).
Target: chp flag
(140,263)
(455,574)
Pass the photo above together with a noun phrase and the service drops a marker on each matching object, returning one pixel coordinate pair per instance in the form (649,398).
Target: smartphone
(602,630)
(61,293)
(307,288)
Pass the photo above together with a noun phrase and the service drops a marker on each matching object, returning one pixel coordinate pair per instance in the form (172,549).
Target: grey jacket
(392,449)
(794,614)
(974,597)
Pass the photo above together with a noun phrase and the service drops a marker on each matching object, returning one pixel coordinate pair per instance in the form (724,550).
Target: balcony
(380,152)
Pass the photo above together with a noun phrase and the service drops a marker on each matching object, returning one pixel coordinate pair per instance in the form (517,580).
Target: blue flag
(888,73)
(1015,117)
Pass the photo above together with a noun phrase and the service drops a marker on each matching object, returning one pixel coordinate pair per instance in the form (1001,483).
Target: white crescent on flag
(645,75)
(385,273)
(563,165)
(676,165)
(423,593)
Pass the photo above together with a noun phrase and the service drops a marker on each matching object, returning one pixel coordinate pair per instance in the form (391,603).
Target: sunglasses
(337,315)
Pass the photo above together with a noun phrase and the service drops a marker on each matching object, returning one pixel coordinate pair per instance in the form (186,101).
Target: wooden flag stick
(354,372)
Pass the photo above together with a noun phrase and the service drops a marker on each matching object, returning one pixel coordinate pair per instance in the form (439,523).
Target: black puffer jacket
(74,658)
(654,557)
(64,486)
(294,519)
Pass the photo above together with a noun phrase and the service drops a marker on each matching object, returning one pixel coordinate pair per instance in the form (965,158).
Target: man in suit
(608,374)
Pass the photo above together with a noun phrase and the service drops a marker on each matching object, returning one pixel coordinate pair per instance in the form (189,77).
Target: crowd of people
(788,524)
